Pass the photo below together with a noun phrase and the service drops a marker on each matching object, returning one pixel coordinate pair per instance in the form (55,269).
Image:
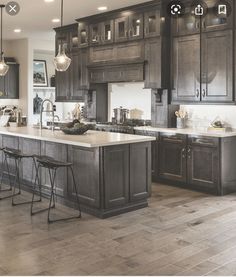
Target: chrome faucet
(47,111)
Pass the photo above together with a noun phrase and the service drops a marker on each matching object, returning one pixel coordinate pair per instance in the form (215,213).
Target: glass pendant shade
(61,61)
(3,67)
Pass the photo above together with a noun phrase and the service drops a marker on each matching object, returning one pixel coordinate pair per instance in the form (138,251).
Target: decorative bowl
(76,131)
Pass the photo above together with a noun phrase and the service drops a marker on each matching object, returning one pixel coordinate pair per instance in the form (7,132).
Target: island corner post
(112,179)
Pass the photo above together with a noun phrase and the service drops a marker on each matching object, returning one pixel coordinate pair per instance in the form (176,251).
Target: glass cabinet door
(95,33)
(74,43)
(187,23)
(219,16)
(135,26)
(83,35)
(152,23)
(121,29)
(107,31)
(63,38)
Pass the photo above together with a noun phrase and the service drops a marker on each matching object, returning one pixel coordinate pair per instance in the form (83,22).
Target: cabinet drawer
(173,138)
(97,76)
(203,141)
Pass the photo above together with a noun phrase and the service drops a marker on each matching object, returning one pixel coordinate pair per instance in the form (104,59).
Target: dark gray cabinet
(102,32)
(203,68)
(153,63)
(203,162)
(116,182)
(152,23)
(83,34)
(186,85)
(86,170)
(129,27)
(9,84)
(172,157)
(217,66)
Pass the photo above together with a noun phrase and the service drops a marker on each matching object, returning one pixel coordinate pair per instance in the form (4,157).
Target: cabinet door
(121,29)
(217,66)
(95,33)
(76,93)
(186,24)
(186,69)
(214,21)
(116,175)
(29,146)
(63,86)
(12,82)
(63,38)
(58,152)
(140,171)
(107,31)
(135,26)
(152,23)
(83,35)
(83,69)
(203,167)
(86,170)
(153,60)
(172,158)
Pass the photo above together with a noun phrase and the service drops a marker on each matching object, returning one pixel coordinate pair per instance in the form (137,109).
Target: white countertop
(90,139)
(198,132)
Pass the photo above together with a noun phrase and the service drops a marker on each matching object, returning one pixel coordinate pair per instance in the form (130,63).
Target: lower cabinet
(116,175)
(193,161)
(172,157)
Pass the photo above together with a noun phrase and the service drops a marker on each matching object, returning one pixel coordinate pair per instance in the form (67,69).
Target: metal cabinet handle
(183,153)
(189,152)
(203,93)
(197,93)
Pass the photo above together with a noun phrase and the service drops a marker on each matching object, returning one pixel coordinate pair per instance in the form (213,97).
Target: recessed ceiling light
(17,30)
(48,1)
(56,20)
(102,8)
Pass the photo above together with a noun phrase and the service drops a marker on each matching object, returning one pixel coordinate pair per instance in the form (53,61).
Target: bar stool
(52,166)
(17,156)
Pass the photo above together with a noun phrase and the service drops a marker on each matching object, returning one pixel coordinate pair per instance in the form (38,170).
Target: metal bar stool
(17,156)
(52,166)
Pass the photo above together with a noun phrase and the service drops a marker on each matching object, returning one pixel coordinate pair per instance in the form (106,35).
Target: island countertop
(91,139)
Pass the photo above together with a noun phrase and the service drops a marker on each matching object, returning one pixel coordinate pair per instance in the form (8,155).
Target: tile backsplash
(202,116)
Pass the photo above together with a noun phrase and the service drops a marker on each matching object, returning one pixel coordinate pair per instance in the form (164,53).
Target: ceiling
(34,18)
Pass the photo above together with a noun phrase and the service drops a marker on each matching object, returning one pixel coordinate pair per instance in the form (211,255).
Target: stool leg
(76,191)
(38,182)
(52,176)
(1,181)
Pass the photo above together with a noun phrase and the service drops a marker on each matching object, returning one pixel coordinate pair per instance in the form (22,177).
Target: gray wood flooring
(181,233)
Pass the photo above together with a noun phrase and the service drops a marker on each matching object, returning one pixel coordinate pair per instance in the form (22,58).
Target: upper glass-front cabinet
(107,31)
(219,16)
(152,23)
(83,35)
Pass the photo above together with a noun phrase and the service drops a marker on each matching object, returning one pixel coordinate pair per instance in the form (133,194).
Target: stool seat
(15,153)
(49,162)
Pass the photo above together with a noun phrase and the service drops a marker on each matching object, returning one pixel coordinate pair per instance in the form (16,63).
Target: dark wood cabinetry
(172,157)
(217,66)
(186,69)
(203,163)
(202,67)
(152,23)
(102,32)
(129,27)
(153,63)
(9,84)
(83,34)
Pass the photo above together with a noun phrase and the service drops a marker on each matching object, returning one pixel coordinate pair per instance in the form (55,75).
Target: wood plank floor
(181,233)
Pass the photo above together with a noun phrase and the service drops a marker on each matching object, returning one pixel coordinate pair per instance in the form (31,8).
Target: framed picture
(40,73)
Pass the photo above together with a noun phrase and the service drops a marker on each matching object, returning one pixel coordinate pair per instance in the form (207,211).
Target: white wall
(129,96)
(202,116)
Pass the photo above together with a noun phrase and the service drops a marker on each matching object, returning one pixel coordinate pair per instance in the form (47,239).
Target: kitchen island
(113,171)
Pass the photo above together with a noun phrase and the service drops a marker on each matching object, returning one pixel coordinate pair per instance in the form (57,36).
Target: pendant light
(3,66)
(61,61)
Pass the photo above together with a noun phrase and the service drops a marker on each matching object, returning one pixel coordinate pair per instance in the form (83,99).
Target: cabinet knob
(203,93)
(197,93)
